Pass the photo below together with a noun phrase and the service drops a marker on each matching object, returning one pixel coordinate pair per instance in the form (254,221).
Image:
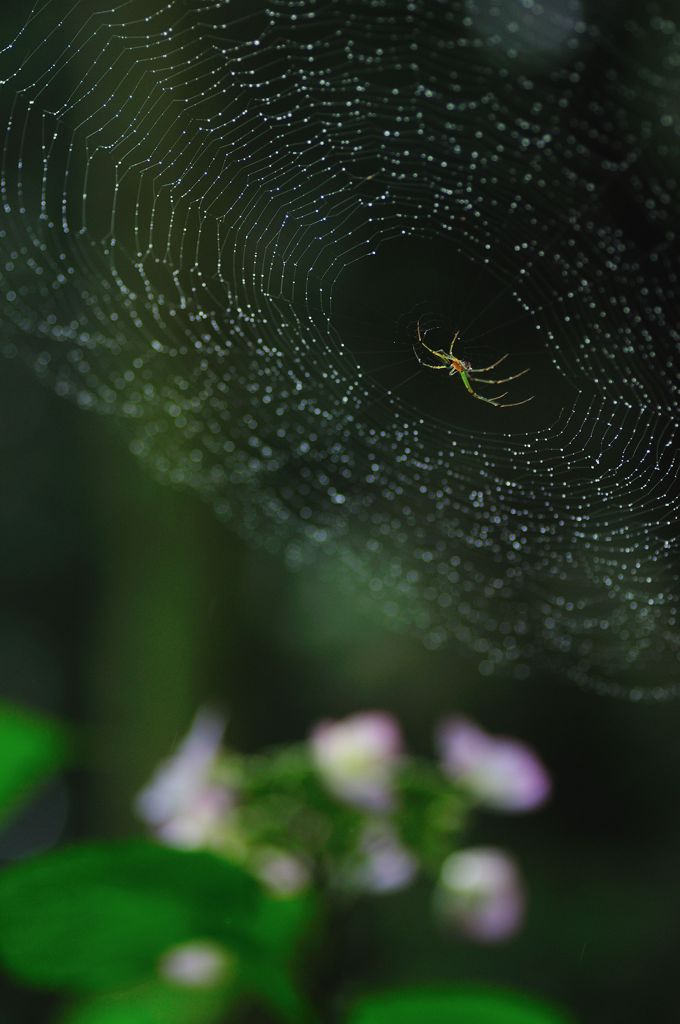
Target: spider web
(223,221)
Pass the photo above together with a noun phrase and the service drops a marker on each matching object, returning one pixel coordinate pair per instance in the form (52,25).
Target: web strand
(184,199)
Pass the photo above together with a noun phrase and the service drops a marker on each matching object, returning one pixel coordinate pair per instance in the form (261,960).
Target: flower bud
(283,873)
(196,965)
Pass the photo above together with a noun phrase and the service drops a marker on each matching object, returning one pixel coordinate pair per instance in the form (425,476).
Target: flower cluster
(351,811)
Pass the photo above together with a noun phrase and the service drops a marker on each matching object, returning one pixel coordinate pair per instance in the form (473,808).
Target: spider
(465,369)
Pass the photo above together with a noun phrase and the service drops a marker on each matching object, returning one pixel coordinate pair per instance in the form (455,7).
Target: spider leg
(484,369)
(503,380)
(492,401)
(454,339)
(466,381)
(508,405)
(429,366)
(431,350)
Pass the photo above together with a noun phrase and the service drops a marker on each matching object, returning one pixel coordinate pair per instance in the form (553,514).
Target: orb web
(226,222)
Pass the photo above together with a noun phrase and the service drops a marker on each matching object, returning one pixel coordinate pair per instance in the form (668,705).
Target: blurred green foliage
(100,917)
(153,1003)
(453,1005)
(94,917)
(31,748)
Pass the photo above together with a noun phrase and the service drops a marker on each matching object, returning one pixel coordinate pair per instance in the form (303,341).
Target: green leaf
(278,926)
(99,916)
(454,1005)
(280,922)
(30,749)
(151,1004)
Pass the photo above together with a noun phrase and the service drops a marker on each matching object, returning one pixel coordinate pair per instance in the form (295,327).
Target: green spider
(465,369)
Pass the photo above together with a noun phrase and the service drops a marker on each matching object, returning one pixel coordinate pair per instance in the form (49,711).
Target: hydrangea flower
(502,773)
(357,757)
(184,804)
(283,873)
(481,894)
(384,864)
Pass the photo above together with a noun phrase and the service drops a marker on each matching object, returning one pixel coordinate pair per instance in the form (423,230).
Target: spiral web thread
(216,224)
